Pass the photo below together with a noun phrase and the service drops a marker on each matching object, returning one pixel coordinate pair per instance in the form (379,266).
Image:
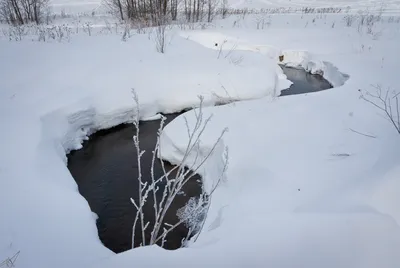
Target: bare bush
(87,28)
(16,33)
(367,21)
(194,212)
(160,38)
(262,20)
(237,23)
(283,10)
(18,12)
(224,8)
(59,33)
(386,101)
(107,27)
(127,32)
(349,20)
(221,46)
(43,33)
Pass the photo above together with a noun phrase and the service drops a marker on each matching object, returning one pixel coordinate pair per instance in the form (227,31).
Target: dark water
(303,82)
(105,170)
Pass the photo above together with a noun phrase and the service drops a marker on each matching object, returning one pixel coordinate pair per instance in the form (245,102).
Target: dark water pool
(303,82)
(105,170)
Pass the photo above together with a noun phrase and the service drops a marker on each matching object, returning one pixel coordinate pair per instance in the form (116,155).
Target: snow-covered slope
(54,94)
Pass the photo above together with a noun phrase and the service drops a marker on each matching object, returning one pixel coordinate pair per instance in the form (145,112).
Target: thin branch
(152,165)
(386,105)
(366,135)
(139,153)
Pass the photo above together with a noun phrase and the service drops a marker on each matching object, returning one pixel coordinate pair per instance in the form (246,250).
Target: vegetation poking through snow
(385,100)
(193,213)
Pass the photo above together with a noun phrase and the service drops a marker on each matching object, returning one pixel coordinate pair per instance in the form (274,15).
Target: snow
(297,170)
(301,190)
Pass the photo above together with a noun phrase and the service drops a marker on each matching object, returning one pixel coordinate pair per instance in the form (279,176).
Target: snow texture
(301,190)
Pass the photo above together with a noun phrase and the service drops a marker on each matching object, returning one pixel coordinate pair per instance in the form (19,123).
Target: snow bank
(289,189)
(303,59)
(210,146)
(229,45)
(106,100)
(63,92)
(302,189)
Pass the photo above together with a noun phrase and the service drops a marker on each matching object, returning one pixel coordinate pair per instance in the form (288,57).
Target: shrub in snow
(16,33)
(349,20)
(127,32)
(262,20)
(193,213)
(57,33)
(87,27)
(160,38)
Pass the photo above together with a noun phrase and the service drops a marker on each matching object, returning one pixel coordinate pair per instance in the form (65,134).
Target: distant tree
(18,12)
(152,11)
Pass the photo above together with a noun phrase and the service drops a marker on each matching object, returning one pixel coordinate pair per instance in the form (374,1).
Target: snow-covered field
(390,6)
(305,186)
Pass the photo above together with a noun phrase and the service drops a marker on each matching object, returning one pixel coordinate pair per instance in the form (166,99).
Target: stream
(106,169)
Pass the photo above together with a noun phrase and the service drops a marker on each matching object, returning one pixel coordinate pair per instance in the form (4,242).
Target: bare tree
(211,9)
(386,101)
(115,7)
(224,8)
(151,12)
(194,212)
(18,12)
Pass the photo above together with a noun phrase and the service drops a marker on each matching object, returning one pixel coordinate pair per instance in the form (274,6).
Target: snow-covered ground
(302,190)
(353,5)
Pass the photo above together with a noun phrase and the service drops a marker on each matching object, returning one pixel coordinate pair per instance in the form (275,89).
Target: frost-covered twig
(10,262)
(139,154)
(180,179)
(173,185)
(383,101)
